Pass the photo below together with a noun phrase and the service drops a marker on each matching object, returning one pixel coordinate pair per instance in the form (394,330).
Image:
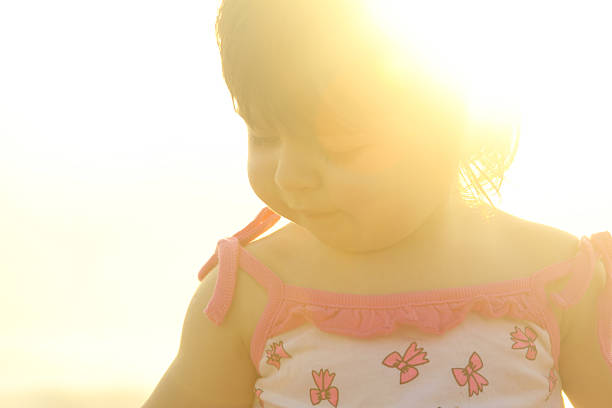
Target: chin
(348,240)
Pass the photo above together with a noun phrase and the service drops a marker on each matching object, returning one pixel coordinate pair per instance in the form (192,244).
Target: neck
(452,228)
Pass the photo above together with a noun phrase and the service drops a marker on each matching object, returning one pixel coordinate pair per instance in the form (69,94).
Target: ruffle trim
(434,318)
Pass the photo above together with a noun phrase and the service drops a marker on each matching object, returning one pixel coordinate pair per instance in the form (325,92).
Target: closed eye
(348,154)
(262,141)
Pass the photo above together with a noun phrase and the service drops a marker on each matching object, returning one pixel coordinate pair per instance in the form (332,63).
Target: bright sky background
(122,164)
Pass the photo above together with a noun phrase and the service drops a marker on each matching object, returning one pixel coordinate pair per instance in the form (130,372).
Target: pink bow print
(258,392)
(552,382)
(525,340)
(413,356)
(275,353)
(469,375)
(323,380)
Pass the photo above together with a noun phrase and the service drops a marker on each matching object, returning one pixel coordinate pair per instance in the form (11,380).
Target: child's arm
(586,376)
(212,367)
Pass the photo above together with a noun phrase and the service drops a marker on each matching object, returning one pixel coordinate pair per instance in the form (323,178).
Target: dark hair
(260,74)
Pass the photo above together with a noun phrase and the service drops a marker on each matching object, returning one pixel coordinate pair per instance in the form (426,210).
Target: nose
(297,167)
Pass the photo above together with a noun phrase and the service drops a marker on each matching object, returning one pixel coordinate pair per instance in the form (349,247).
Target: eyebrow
(336,132)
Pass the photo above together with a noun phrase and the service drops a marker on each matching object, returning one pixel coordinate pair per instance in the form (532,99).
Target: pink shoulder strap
(580,272)
(229,254)
(579,269)
(603,244)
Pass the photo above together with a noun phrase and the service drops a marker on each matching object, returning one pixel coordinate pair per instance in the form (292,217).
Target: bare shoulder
(510,247)
(212,366)
(520,228)
(544,243)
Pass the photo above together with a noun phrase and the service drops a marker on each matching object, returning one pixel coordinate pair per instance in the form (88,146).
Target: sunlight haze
(122,164)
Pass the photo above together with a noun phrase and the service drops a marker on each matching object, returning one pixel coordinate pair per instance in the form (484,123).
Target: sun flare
(473,47)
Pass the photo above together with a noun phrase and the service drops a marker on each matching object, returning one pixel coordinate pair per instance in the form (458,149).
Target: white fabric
(362,380)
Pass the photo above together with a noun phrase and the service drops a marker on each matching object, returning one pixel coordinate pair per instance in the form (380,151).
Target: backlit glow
(473,47)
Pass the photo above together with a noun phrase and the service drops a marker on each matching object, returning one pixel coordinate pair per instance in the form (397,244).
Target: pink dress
(480,346)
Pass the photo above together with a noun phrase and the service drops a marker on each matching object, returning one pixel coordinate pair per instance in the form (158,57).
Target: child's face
(334,128)
(377,170)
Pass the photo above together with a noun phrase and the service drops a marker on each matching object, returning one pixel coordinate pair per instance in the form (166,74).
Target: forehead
(325,88)
(309,68)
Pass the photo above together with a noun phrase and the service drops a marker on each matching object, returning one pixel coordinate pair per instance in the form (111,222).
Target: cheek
(396,176)
(370,178)
(261,170)
(376,161)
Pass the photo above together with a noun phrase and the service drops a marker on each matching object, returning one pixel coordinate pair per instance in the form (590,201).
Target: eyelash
(261,141)
(346,155)
(336,156)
